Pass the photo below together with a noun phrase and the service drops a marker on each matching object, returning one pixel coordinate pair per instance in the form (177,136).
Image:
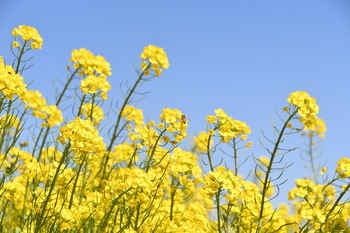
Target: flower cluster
(143,181)
(28,34)
(50,113)
(96,68)
(93,112)
(200,143)
(343,168)
(317,126)
(316,204)
(306,106)
(155,58)
(130,113)
(173,121)
(89,64)
(228,127)
(12,84)
(83,137)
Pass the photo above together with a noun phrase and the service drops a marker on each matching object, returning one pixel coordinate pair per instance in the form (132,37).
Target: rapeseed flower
(28,34)
(155,58)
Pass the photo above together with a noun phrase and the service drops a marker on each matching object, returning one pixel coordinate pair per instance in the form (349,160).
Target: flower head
(230,128)
(89,63)
(28,34)
(306,104)
(317,126)
(155,58)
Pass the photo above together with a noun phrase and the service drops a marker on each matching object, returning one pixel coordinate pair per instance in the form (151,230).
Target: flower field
(122,173)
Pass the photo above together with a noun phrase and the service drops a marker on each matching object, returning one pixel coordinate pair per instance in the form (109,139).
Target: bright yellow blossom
(28,34)
(343,168)
(93,112)
(316,125)
(156,57)
(200,143)
(89,64)
(306,104)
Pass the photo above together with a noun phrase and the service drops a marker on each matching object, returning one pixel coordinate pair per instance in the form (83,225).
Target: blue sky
(242,56)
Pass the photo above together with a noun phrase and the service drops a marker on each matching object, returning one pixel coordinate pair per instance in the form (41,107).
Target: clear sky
(242,56)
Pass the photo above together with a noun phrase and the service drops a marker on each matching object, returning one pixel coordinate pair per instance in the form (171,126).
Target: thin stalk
(312,161)
(336,202)
(217,197)
(217,194)
(172,199)
(126,101)
(269,168)
(235,156)
(149,160)
(76,181)
(115,130)
(39,222)
(20,57)
(58,101)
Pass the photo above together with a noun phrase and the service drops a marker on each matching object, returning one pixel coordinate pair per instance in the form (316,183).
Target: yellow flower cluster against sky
(244,57)
(113,170)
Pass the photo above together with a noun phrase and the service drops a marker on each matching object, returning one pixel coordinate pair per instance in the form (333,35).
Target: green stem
(20,57)
(76,181)
(269,168)
(312,161)
(235,156)
(150,155)
(58,101)
(217,194)
(337,202)
(126,101)
(172,200)
(115,130)
(209,154)
(217,197)
(40,218)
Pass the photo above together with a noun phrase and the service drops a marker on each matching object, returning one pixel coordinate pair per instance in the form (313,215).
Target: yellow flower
(264,160)
(95,84)
(123,152)
(50,113)
(316,125)
(83,137)
(306,104)
(211,119)
(200,143)
(157,59)
(28,34)
(249,144)
(90,64)
(230,128)
(15,44)
(170,115)
(11,84)
(93,112)
(343,168)
(130,113)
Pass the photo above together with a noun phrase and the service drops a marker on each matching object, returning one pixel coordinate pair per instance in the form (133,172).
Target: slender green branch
(337,202)
(58,101)
(40,218)
(235,156)
(312,161)
(269,168)
(20,57)
(126,102)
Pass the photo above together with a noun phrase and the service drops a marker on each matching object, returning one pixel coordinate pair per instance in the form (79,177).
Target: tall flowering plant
(86,173)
